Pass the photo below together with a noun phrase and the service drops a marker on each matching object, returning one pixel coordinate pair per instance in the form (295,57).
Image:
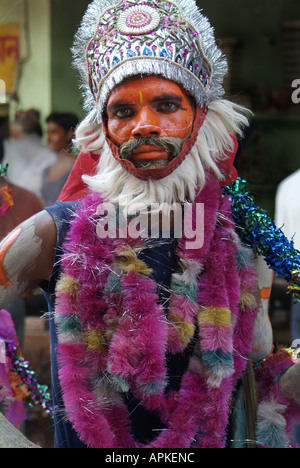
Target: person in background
(23,204)
(25,152)
(60,133)
(287,217)
(16,205)
(1,147)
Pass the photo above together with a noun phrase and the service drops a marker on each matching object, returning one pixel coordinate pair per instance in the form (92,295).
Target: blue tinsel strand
(257,230)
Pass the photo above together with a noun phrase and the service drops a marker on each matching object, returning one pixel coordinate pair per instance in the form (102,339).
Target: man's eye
(167,107)
(123,113)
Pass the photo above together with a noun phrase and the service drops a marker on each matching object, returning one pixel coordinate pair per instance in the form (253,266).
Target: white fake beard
(119,186)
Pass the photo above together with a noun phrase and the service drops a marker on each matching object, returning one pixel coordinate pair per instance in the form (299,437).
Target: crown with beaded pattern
(138,37)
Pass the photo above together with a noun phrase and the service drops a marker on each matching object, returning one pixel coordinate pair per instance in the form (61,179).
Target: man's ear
(70,134)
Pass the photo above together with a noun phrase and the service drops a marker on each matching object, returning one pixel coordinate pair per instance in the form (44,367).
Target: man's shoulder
(62,211)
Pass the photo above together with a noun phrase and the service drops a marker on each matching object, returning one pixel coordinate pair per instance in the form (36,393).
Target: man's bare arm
(26,257)
(263,333)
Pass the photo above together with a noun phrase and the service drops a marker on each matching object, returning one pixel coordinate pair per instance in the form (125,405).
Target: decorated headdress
(124,38)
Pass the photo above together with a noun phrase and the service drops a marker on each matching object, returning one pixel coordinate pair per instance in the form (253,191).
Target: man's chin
(150,163)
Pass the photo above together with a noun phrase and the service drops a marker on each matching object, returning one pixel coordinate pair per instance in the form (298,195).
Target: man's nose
(146,124)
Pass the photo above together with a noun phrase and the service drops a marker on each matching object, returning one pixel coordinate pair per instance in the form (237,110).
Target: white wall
(34,85)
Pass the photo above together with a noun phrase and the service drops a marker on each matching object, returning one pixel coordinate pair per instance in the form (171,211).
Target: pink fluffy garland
(139,333)
(267,378)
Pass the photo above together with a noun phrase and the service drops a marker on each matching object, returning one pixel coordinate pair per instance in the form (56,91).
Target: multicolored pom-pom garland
(139,334)
(257,229)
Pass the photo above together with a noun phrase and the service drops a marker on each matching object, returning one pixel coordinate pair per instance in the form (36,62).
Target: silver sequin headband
(134,37)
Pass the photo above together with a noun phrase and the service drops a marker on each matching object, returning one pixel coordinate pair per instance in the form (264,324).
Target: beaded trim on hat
(135,37)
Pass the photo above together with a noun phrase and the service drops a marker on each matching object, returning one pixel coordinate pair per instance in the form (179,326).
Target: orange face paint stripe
(5,281)
(265,293)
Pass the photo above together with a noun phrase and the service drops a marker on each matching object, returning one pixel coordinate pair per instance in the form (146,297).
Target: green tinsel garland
(257,230)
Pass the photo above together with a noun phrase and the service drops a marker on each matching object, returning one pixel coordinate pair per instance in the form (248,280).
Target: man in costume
(155,338)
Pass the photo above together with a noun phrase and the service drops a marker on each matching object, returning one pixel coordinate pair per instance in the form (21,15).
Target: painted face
(150,107)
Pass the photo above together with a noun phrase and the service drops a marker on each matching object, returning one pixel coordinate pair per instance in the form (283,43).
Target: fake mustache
(172,145)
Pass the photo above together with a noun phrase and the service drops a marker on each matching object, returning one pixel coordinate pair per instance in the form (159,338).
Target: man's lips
(146,152)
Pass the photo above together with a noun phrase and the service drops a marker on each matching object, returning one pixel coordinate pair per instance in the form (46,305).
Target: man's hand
(11,437)
(290,383)
(263,333)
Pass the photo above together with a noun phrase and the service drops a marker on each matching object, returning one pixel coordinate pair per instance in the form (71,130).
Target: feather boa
(114,335)
(276,414)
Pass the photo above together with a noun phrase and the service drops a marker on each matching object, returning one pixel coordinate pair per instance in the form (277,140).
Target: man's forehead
(153,86)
